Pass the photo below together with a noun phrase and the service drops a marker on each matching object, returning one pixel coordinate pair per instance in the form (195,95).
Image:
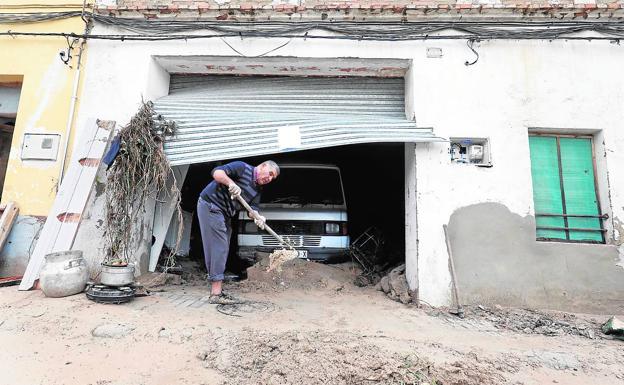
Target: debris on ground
(324,358)
(555,360)
(366,249)
(530,321)
(300,273)
(245,306)
(614,327)
(151,280)
(305,336)
(364,279)
(395,285)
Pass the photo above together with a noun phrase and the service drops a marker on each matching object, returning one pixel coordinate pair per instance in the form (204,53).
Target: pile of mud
(530,321)
(255,357)
(301,274)
(537,322)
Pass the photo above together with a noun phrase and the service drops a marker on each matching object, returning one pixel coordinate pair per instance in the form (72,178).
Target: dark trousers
(216,230)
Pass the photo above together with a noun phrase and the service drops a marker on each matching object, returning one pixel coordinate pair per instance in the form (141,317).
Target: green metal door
(564,190)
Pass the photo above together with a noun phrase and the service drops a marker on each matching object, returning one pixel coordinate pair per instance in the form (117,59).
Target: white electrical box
(433,52)
(471,151)
(40,146)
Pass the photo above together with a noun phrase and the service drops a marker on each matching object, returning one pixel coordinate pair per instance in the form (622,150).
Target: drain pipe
(74,97)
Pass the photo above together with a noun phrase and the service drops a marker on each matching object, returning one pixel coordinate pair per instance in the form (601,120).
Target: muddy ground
(307,325)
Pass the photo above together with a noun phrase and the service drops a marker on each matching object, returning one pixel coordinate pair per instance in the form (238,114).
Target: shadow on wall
(498,261)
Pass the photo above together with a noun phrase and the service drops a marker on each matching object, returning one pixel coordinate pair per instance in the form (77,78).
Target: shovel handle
(266,227)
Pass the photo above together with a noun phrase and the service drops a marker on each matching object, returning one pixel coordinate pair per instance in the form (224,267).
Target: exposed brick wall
(350,9)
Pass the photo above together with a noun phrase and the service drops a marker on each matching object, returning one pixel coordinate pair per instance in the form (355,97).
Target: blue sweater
(243,175)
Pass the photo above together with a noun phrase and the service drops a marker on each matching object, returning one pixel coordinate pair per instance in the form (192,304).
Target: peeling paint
(89,162)
(220,67)
(100,188)
(620,262)
(618,237)
(69,217)
(311,68)
(106,125)
(348,70)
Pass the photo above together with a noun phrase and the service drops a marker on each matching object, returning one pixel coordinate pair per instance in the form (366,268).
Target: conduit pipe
(74,97)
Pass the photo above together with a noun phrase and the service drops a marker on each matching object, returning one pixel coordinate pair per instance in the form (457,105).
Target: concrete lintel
(284,66)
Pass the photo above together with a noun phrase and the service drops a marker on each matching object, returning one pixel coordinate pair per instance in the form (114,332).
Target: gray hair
(273,165)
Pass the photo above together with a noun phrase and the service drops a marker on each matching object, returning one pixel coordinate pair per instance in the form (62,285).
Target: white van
(305,205)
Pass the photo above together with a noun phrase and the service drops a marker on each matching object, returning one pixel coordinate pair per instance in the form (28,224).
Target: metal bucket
(63,273)
(117,275)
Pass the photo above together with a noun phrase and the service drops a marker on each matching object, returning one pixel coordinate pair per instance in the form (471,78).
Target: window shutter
(562,170)
(578,183)
(546,185)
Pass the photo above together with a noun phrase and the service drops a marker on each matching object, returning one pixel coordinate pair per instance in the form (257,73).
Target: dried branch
(139,172)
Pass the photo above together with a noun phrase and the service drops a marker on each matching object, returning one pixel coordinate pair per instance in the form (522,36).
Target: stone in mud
(112,330)
(385,284)
(398,284)
(615,327)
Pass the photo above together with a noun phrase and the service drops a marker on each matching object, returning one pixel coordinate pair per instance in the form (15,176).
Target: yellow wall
(44,100)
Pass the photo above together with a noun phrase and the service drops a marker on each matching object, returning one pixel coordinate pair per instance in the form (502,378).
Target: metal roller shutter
(225,117)
(564,190)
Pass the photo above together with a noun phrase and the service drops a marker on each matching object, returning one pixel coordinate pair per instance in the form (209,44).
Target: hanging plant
(138,173)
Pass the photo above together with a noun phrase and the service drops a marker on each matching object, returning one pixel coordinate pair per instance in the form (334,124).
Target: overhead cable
(163,30)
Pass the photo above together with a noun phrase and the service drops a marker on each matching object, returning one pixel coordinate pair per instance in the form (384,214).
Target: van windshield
(304,186)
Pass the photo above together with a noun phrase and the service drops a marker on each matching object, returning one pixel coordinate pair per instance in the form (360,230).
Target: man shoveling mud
(216,208)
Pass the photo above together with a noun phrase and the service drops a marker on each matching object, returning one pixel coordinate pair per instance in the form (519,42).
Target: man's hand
(259,220)
(234,189)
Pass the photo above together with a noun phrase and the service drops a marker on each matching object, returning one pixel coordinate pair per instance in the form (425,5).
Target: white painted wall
(411,217)
(515,85)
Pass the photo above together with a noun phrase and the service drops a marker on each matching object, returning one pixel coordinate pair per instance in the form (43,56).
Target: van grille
(295,240)
(297,227)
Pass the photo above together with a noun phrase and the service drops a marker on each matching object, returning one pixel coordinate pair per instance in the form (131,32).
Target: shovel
(282,241)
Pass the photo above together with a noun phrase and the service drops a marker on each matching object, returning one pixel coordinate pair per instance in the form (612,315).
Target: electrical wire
(15,18)
(164,30)
(611,37)
(364,30)
(262,54)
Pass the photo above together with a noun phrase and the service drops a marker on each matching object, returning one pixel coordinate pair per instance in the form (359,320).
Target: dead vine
(139,172)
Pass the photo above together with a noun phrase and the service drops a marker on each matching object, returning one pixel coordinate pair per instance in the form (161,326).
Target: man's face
(265,174)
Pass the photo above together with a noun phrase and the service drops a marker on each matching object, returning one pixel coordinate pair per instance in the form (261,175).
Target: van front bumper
(324,254)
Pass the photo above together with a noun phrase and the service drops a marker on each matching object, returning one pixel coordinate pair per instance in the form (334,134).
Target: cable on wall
(163,30)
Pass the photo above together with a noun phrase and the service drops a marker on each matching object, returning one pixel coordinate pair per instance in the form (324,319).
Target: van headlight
(332,228)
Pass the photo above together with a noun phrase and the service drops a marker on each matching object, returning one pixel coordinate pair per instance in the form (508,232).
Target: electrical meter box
(471,151)
(475,153)
(40,146)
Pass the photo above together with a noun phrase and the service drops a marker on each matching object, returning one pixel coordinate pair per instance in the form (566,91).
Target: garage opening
(354,126)
(373,183)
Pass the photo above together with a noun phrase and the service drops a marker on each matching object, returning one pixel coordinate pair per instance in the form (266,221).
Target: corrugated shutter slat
(225,117)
